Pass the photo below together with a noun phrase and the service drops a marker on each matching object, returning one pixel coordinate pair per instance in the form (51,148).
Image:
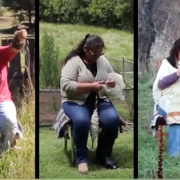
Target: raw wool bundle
(117,91)
(94,128)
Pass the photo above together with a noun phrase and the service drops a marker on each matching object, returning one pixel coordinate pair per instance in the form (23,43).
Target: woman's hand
(110,83)
(19,40)
(97,86)
(22,35)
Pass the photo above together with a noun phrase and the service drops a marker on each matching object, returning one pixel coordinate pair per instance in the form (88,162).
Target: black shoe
(110,163)
(104,150)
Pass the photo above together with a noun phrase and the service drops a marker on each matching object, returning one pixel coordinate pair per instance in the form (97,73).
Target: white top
(169,98)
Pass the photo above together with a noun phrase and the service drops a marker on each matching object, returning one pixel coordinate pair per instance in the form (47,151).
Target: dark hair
(174,52)
(90,41)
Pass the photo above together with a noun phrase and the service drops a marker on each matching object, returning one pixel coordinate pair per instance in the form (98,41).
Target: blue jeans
(174,139)
(174,135)
(81,117)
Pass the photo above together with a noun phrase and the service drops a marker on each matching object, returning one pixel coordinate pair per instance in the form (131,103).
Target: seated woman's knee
(111,120)
(82,121)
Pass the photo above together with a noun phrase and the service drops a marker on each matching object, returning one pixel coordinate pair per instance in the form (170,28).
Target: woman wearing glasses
(84,72)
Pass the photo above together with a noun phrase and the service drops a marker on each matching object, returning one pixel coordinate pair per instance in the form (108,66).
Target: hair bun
(87,35)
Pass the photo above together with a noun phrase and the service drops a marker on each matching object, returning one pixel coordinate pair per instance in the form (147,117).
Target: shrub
(49,73)
(111,14)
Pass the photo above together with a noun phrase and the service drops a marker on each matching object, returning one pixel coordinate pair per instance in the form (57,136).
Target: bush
(2,10)
(49,73)
(111,14)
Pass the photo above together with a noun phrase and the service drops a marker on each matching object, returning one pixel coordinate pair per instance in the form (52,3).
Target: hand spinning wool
(115,92)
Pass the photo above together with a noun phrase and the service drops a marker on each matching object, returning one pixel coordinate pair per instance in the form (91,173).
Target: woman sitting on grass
(166,92)
(9,126)
(83,74)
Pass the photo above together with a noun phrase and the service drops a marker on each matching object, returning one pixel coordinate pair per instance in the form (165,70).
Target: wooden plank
(50,90)
(117,59)
(11,37)
(130,72)
(122,67)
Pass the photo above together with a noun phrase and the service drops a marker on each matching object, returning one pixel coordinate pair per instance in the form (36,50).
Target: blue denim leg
(108,115)
(174,139)
(81,117)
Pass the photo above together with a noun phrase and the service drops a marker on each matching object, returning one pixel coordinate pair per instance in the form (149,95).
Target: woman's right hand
(178,72)
(97,86)
(22,34)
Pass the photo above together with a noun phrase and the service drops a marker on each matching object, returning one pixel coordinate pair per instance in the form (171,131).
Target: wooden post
(30,57)
(122,66)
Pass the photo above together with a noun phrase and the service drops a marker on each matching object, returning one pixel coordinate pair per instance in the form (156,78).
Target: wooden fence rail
(122,64)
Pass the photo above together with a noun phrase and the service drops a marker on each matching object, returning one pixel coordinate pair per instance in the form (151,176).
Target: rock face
(158,28)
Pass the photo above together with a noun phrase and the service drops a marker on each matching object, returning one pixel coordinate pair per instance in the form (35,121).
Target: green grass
(55,163)
(147,145)
(20,164)
(119,43)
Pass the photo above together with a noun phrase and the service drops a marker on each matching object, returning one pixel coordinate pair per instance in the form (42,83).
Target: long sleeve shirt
(167,81)
(75,71)
(6,55)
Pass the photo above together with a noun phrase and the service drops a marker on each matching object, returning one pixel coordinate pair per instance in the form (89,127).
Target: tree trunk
(30,14)
(146,33)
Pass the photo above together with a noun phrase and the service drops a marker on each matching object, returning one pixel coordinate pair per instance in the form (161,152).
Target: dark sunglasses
(96,54)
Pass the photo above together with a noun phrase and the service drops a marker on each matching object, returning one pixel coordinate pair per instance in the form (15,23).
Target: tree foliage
(21,8)
(49,73)
(109,13)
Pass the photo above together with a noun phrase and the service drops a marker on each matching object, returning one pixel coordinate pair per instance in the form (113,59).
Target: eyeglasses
(96,54)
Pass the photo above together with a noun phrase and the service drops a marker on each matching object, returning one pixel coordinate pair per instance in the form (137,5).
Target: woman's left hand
(110,83)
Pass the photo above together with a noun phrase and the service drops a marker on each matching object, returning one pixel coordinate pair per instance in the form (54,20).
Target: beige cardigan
(75,71)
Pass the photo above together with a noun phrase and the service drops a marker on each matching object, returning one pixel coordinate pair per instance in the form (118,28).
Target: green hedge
(106,13)
(49,72)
